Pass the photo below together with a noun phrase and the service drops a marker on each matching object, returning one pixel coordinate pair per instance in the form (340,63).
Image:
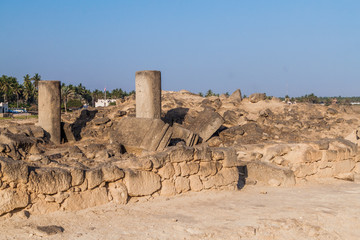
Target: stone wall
(177,170)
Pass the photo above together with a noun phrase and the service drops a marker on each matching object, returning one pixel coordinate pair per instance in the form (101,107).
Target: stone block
(118,192)
(182,184)
(49,180)
(195,183)
(167,171)
(141,183)
(207,169)
(13,170)
(168,188)
(227,176)
(112,173)
(94,177)
(11,199)
(77,176)
(344,166)
(181,154)
(87,199)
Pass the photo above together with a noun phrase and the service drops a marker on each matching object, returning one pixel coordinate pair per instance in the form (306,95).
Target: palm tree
(66,93)
(29,89)
(36,78)
(17,89)
(5,85)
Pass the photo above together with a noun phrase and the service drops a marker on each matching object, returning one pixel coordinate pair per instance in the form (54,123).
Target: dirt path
(308,212)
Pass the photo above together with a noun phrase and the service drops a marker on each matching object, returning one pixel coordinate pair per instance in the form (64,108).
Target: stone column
(49,104)
(148,94)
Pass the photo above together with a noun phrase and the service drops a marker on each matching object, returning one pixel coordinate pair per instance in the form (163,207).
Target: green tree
(6,86)
(36,78)
(66,93)
(29,89)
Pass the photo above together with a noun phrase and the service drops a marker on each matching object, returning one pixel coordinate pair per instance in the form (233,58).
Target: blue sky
(276,47)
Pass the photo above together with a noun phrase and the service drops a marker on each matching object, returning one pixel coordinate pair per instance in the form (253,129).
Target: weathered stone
(148,94)
(49,180)
(207,169)
(195,183)
(112,173)
(11,199)
(256,97)
(43,207)
(167,171)
(217,154)
(345,176)
(264,172)
(77,176)
(134,163)
(159,159)
(118,192)
(189,137)
(167,188)
(13,170)
(101,121)
(17,142)
(142,183)
(227,176)
(230,158)
(206,124)
(181,154)
(67,132)
(236,96)
(182,184)
(177,169)
(143,133)
(202,153)
(94,177)
(60,197)
(82,200)
(344,166)
(49,109)
(230,117)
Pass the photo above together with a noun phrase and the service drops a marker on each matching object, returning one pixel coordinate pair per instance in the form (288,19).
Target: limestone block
(313,156)
(344,166)
(67,132)
(13,170)
(263,172)
(182,184)
(167,171)
(193,167)
(256,97)
(94,177)
(207,169)
(168,188)
(118,192)
(141,183)
(49,180)
(217,154)
(44,207)
(230,158)
(134,163)
(330,155)
(206,124)
(305,170)
(77,176)
(159,159)
(181,154)
(236,96)
(112,173)
(195,183)
(82,200)
(226,176)
(177,169)
(11,199)
(275,151)
(202,153)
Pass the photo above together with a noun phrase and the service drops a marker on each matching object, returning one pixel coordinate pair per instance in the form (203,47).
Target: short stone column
(148,94)
(49,104)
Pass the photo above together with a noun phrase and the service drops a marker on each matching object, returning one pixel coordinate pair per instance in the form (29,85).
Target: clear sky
(276,47)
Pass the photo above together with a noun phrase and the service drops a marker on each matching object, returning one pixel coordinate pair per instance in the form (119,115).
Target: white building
(104,102)
(4,108)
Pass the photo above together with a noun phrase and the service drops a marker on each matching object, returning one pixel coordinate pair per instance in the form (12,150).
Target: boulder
(256,97)
(236,96)
(112,173)
(11,199)
(14,170)
(94,177)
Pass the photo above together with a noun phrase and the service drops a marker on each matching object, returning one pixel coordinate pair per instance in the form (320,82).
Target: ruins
(163,143)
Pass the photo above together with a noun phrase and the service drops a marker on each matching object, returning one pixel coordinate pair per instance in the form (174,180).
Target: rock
(101,121)
(43,207)
(182,184)
(195,183)
(118,192)
(236,96)
(225,177)
(256,97)
(168,188)
(50,230)
(82,200)
(331,111)
(67,134)
(49,180)
(11,199)
(14,170)
(207,169)
(112,173)
(143,133)
(181,154)
(262,173)
(202,152)
(230,117)
(181,133)
(274,182)
(167,171)
(77,176)
(345,176)
(231,133)
(206,124)
(230,158)
(141,183)
(94,177)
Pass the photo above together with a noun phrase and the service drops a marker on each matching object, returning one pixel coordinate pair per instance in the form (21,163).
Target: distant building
(104,102)
(4,108)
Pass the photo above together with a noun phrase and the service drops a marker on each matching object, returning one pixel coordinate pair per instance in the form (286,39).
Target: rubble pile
(225,142)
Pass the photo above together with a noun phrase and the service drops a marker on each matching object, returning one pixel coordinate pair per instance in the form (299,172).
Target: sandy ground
(306,212)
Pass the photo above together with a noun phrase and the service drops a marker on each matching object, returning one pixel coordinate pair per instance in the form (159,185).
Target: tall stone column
(49,104)
(148,94)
